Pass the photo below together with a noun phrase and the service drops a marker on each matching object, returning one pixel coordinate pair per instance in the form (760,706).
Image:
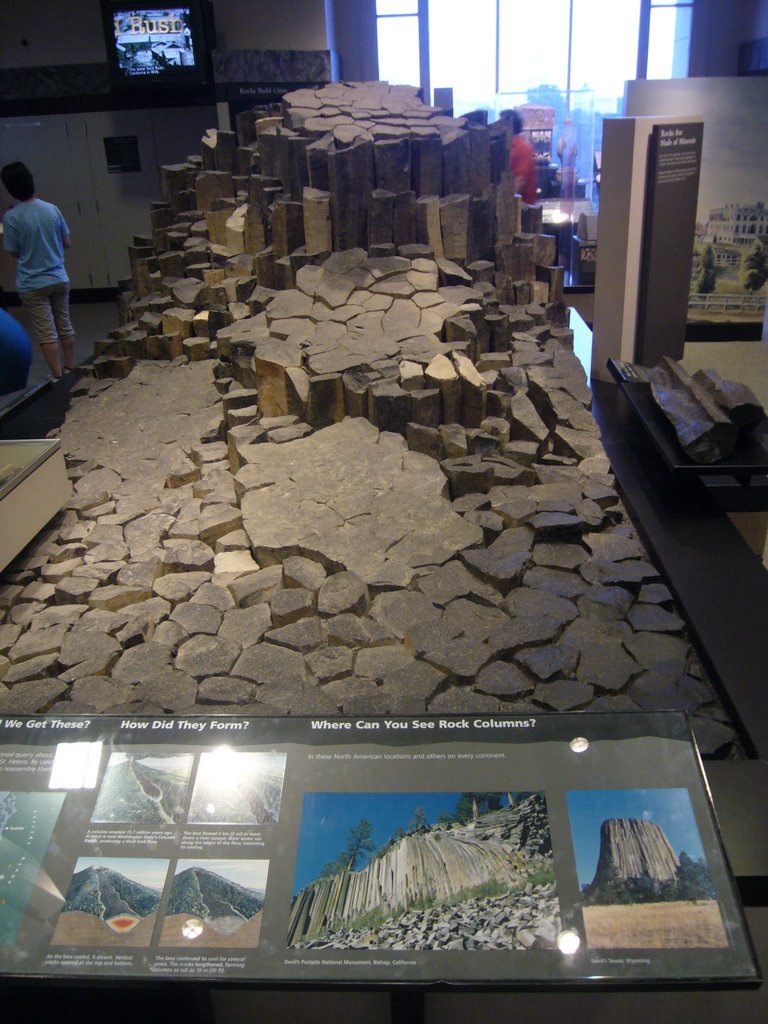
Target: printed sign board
(479,850)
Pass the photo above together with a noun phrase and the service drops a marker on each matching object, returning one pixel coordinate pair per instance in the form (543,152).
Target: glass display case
(33,488)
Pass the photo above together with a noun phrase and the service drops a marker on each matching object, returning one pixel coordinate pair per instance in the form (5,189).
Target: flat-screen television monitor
(149,45)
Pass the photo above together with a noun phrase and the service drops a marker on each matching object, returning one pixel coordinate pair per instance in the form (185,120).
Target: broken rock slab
(352,497)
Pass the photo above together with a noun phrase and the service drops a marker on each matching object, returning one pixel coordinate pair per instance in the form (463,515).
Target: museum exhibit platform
(356,481)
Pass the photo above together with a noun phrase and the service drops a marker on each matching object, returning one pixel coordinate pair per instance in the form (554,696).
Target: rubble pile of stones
(370,487)
(351,164)
(525,920)
(338,572)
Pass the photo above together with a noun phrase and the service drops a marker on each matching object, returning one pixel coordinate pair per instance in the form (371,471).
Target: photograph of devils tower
(424,871)
(644,879)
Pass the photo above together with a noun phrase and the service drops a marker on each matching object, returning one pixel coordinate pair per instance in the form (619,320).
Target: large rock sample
(705,433)
(633,849)
(737,401)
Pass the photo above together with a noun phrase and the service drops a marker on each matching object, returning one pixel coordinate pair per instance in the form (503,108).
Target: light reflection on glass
(236,787)
(192,928)
(568,941)
(75,766)
(579,745)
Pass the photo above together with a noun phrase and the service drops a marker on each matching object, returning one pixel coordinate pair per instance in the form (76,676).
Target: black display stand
(747,463)
(721,588)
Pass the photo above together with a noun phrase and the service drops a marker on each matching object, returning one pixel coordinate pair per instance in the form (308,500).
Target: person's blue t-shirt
(36,231)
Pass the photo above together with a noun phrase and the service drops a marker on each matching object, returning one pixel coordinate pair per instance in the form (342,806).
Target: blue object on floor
(15,354)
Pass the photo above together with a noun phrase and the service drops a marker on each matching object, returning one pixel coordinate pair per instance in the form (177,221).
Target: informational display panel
(477,850)
(674,161)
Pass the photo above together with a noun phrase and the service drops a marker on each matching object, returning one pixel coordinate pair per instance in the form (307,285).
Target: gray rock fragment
(31,697)
(378,662)
(246,626)
(355,631)
(197,618)
(304,635)
(501,679)
(459,700)
(652,618)
(37,642)
(290,605)
(342,592)
(204,655)
(218,690)
(606,665)
(99,692)
(563,695)
(189,556)
(271,666)
(303,572)
(170,689)
(142,663)
(461,659)
(551,660)
(328,663)
(657,649)
(705,433)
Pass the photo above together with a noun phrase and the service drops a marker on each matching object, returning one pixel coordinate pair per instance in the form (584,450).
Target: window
(571,56)
(397,27)
(462,51)
(510,46)
(669,39)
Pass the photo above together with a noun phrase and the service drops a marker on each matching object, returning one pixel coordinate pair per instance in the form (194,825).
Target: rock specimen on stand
(736,400)
(705,433)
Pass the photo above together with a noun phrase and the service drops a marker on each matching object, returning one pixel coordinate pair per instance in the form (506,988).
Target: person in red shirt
(522,160)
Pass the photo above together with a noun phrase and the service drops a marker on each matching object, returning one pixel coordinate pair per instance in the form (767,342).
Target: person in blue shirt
(36,233)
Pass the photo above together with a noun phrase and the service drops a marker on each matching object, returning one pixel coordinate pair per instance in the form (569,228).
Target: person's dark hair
(18,179)
(517,122)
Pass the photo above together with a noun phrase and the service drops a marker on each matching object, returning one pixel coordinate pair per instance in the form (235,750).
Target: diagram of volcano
(235,788)
(219,905)
(27,821)
(112,902)
(143,789)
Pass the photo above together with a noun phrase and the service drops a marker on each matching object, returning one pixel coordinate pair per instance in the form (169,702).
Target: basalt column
(350,177)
